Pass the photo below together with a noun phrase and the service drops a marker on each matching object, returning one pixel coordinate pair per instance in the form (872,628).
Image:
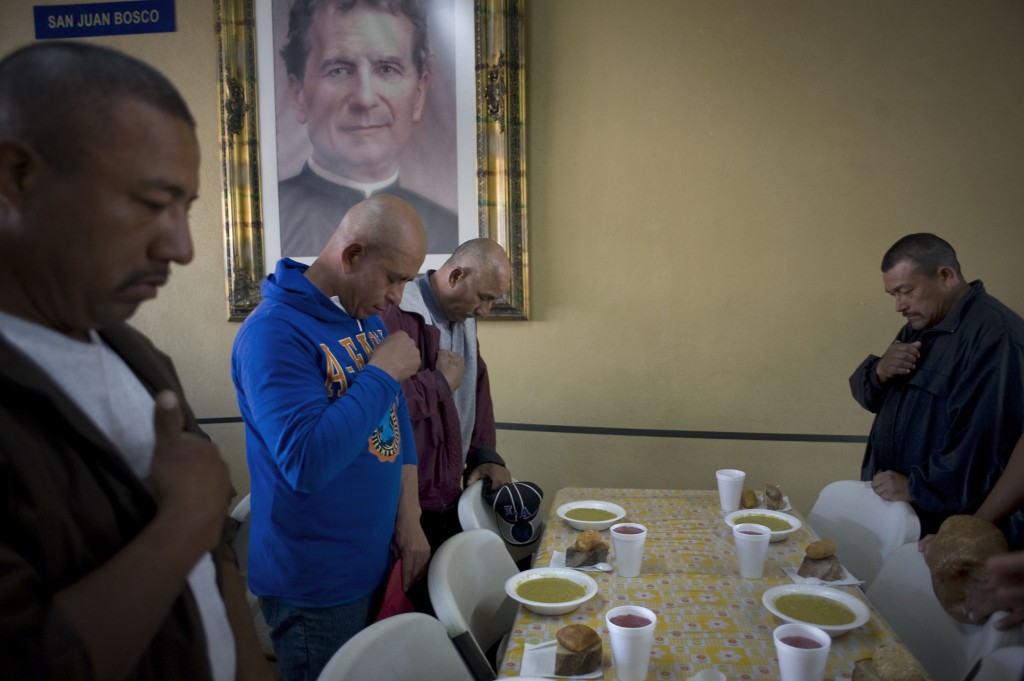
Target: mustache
(152,276)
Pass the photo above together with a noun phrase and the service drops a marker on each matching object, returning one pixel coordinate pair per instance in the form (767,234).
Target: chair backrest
(902,593)
(242,513)
(1005,664)
(466,582)
(476,514)
(865,526)
(407,647)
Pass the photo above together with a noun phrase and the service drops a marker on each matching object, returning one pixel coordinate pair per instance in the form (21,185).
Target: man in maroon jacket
(450,397)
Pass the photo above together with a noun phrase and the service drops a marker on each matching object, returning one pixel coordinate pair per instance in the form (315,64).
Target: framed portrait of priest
(341,99)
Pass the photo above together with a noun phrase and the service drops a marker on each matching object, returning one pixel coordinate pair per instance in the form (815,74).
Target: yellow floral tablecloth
(708,616)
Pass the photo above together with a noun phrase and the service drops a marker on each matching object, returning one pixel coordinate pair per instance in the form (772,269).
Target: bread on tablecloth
(821,562)
(579,650)
(588,550)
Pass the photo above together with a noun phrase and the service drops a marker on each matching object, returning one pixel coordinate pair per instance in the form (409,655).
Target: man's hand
(117,607)
(452,367)
(397,355)
(1004,590)
(190,480)
(409,541)
(899,360)
(498,475)
(891,486)
(413,547)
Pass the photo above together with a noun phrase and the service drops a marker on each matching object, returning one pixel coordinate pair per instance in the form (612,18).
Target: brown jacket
(69,503)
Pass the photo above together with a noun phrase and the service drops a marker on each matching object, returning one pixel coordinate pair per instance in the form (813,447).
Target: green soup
(550,590)
(589,514)
(771,522)
(814,609)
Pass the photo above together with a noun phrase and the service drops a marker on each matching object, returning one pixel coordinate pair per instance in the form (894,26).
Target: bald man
(331,452)
(449,394)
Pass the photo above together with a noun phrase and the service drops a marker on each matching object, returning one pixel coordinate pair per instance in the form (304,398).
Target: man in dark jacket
(948,393)
(112,564)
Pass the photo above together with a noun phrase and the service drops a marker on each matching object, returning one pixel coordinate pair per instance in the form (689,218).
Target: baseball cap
(516,510)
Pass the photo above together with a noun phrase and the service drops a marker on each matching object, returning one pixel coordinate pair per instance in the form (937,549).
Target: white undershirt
(107,390)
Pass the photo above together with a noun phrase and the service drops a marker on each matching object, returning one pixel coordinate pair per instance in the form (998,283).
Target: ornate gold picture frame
(500,147)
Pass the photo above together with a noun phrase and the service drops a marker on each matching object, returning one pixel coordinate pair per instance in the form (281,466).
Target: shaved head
(379,245)
(472,279)
(482,254)
(381,223)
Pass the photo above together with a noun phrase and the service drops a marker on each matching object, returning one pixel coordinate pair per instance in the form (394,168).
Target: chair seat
(902,593)
(865,526)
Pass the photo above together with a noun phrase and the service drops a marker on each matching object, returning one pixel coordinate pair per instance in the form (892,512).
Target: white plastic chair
(902,593)
(865,526)
(466,581)
(1005,664)
(475,514)
(240,543)
(407,647)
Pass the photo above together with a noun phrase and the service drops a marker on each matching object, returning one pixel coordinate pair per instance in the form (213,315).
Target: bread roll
(577,637)
(579,650)
(773,499)
(587,540)
(749,498)
(824,548)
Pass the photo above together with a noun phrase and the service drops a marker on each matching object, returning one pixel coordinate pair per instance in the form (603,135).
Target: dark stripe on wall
(645,432)
(691,434)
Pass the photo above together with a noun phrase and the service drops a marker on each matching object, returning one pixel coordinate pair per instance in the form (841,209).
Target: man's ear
(948,275)
(16,167)
(456,275)
(351,257)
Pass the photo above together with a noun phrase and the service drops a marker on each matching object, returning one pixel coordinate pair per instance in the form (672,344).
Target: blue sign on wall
(104,18)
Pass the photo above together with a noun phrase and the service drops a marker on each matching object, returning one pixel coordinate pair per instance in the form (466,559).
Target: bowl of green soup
(591,515)
(832,610)
(781,524)
(551,591)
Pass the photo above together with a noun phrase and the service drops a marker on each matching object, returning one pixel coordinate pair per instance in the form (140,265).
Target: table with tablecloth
(708,616)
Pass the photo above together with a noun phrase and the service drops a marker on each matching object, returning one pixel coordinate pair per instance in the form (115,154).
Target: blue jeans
(305,638)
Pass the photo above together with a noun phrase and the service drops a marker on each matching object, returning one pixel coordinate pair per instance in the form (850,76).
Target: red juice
(800,642)
(631,621)
(628,529)
(756,534)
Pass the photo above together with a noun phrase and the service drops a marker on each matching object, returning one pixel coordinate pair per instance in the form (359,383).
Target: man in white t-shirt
(112,563)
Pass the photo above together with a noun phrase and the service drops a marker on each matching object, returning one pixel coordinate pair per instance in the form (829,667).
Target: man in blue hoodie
(331,453)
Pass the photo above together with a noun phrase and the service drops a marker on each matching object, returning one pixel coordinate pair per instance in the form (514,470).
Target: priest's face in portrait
(361,87)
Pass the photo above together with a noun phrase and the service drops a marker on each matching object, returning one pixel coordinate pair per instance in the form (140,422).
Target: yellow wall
(711,188)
